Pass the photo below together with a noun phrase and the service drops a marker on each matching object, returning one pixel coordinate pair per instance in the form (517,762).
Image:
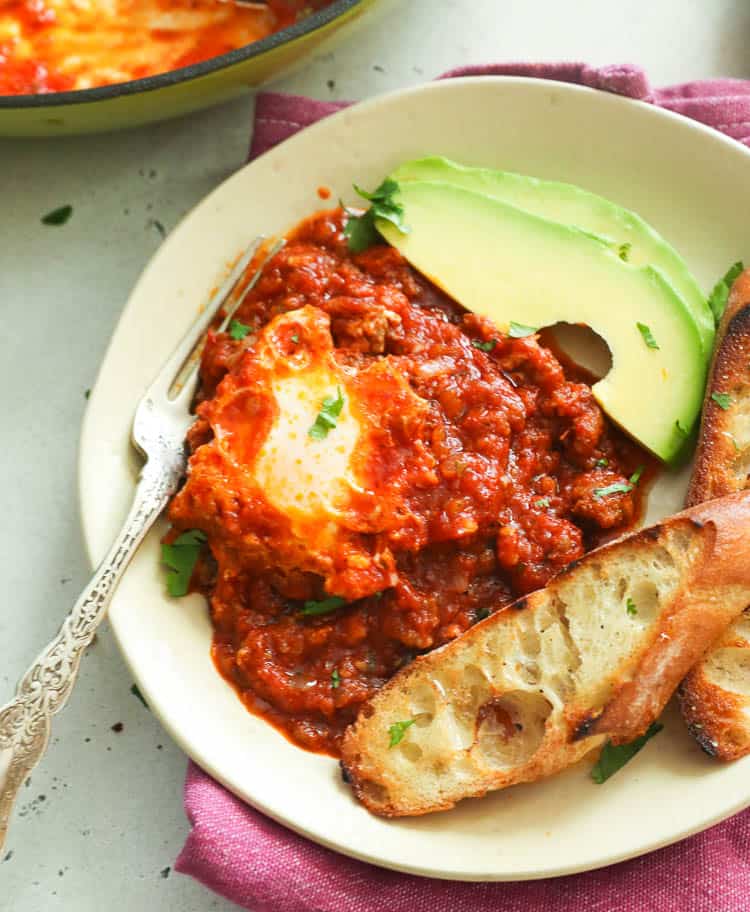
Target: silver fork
(161,421)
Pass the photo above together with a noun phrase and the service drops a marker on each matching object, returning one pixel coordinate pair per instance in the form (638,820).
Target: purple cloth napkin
(264,867)
(721,103)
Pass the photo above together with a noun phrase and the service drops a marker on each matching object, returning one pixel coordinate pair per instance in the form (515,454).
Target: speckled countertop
(101,821)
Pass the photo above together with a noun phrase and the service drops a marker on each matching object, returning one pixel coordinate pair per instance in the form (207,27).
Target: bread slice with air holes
(533,688)
(715,695)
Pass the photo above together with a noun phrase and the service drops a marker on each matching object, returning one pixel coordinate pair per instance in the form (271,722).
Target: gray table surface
(101,821)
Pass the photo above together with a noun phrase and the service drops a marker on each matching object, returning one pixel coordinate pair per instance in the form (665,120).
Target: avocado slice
(570,205)
(509,265)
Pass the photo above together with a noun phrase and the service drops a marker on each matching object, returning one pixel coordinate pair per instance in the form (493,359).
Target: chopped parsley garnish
(519,331)
(360,230)
(723,400)
(602,463)
(398,730)
(314,609)
(631,607)
(618,487)
(327,418)
(542,503)
(181,557)
(238,330)
(484,346)
(614,758)
(719,296)
(58,216)
(636,476)
(648,337)
(335,679)
(295,338)
(623,251)
(136,693)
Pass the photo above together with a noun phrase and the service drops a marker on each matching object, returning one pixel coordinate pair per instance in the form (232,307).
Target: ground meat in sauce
(515,448)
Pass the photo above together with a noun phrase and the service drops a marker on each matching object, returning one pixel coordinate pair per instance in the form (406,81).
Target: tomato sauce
(58,45)
(493,490)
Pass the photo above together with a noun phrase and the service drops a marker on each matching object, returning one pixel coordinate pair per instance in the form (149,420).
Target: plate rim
(92,547)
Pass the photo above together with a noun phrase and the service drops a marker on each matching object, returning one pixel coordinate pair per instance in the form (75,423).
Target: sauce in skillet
(58,45)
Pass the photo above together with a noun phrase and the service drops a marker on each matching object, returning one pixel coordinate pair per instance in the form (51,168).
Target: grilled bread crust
(715,695)
(533,688)
(722,458)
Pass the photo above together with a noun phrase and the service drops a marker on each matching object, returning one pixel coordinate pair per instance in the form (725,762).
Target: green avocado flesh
(570,205)
(509,265)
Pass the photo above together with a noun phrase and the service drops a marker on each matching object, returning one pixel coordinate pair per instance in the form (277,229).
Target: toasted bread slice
(722,458)
(715,696)
(533,688)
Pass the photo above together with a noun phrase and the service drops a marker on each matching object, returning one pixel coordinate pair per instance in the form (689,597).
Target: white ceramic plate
(689,182)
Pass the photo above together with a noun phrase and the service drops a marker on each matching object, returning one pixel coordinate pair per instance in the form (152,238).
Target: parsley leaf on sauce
(181,557)
(335,679)
(398,730)
(618,487)
(360,230)
(723,400)
(719,296)
(623,251)
(648,336)
(58,216)
(602,463)
(484,346)
(614,758)
(238,330)
(542,502)
(636,476)
(631,607)
(519,331)
(327,418)
(315,609)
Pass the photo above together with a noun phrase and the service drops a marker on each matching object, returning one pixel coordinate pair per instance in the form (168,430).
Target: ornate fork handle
(161,421)
(25,721)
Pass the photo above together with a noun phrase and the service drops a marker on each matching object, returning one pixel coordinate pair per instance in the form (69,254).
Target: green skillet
(176,92)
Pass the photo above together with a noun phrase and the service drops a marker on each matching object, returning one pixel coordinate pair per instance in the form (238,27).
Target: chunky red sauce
(57,45)
(483,492)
